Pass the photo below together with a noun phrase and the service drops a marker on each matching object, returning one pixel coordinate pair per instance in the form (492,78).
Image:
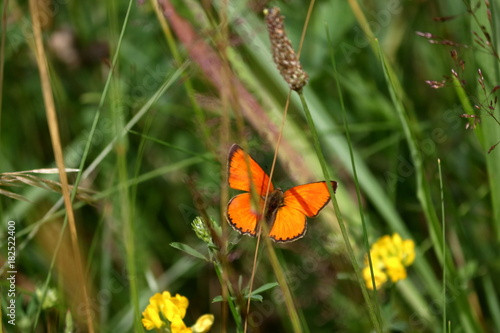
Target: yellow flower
(390,256)
(203,323)
(152,318)
(164,311)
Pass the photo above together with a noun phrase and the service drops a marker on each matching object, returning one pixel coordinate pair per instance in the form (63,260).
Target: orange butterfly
(285,212)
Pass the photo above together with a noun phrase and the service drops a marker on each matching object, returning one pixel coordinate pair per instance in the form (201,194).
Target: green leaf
(217,299)
(188,249)
(265,287)
(253,298)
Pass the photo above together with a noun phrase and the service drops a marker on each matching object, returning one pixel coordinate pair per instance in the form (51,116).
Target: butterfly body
(275,200)
(285,212)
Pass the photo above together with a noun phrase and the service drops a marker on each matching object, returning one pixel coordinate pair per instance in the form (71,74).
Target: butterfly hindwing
(290,224)
(239,172)
(241,215)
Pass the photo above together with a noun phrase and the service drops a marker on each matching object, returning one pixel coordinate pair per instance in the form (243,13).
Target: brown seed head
(283,54)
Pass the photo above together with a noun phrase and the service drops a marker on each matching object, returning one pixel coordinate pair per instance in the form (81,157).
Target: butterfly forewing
(239,172)
(309,198)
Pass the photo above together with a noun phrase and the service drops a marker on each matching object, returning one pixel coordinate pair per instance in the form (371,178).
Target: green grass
(148,111)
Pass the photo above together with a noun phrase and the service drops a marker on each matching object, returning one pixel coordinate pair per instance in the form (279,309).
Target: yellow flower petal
(395,269)
(166,295)
(396,240)
(169,310)
(178,326)
(181,303)
(408,252)
(152,318)
(156,300)
(380,277)
(203,324)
